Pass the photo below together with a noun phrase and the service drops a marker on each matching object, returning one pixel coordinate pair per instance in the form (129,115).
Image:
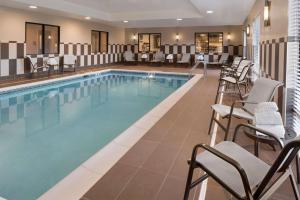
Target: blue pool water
(47,131)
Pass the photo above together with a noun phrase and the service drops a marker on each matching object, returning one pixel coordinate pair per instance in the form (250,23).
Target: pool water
(48,131)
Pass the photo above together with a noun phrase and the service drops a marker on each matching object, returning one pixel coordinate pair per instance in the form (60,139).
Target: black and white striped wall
(12,57)
(273,64)
(178,50)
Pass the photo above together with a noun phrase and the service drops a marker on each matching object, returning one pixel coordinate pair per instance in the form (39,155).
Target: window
(42,38)
(293,68)
(99,41)
(256,47)
(209,42)
(149,42)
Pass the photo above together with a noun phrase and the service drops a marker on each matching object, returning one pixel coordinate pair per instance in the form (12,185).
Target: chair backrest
(236,61)
(69,60)
(128,55)
(263,90)
(224,58)
(281,164)
(186,57)
(242,64)
(244,72)
(31,61)
(159,56)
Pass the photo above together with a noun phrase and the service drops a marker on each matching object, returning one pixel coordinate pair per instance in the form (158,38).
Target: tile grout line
(203,187)
(172,164)
(159,142)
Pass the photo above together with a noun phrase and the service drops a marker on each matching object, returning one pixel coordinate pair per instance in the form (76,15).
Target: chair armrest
(243,102)
(227,159)
(245,96)
(238,102)
(254,128)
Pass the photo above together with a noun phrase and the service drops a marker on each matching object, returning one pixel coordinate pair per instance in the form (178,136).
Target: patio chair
(185,59)
(225,69)
(69,63)
(269,120)
(129,57)
(158,57)
(222,61)
(34,67)
(238,77)
(263,90)
(239,172)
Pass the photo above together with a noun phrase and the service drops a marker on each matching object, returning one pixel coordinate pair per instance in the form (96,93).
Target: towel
(277,130)
(268,118)
(266,107)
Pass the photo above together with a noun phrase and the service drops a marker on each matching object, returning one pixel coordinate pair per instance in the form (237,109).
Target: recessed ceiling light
(87,18)
(209,12)
(33,7)
(125,21)
(179,19)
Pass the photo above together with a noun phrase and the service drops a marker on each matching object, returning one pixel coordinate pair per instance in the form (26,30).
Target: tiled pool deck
(156,167)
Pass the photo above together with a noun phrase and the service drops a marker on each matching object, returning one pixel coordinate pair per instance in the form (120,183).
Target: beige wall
(187,34)
(278,16)
(12,27)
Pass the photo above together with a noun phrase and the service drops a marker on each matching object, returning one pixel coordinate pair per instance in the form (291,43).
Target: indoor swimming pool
(48,130)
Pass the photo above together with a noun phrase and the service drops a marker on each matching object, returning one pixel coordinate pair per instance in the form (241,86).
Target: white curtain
(256,48)
(293,68)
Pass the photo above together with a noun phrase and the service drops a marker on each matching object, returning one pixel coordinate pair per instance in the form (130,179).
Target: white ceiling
(146,13)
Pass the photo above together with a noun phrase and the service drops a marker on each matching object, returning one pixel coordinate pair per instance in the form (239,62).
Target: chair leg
(227,128)
(256,148)
(294,185)
(211,122)
(238,86)
(189,180)
(217,96)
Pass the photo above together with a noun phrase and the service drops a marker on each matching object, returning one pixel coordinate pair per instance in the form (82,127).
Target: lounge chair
(239,172)
(237,77)
(34,67)
(225,69)
(263,90)
(129,57)
(69,62)
(158,57)
(185,59)
(222,61)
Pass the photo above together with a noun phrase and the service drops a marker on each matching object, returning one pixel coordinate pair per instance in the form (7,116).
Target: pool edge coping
(82,178)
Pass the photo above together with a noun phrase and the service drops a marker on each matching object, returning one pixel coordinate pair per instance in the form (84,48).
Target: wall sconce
(228,37)
(248,30)
(267,20)
(134,37)
(177,37)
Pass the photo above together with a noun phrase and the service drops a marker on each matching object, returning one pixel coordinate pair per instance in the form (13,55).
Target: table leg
(205,69)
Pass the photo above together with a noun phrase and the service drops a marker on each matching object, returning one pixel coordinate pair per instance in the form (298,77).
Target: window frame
(207,33)
(149,36)
(99,44)
(43,36)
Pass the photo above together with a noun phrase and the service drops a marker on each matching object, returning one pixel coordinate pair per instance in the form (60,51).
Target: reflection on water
(46,132)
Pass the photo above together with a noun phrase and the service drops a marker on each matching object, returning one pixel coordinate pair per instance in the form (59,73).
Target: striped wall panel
(178,50)
(12,62)
(273,63)
(273,55)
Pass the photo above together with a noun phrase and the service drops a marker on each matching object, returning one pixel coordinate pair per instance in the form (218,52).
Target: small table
(51,62)
(170,58)
(144,57)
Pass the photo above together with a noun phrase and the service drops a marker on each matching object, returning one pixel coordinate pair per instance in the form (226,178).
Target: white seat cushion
(224,110)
